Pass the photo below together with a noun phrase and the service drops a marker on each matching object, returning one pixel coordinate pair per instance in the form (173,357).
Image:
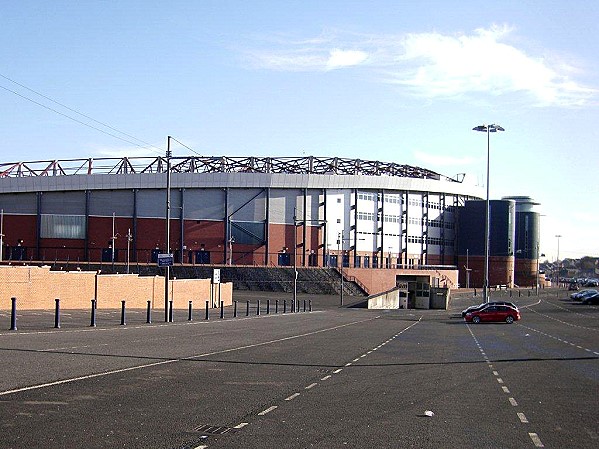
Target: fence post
(149,312)
(123,321)
(57,314)
(13,314)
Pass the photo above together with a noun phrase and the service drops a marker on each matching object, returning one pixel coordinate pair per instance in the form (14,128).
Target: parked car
(484,304)
(490,313)
(579,296)
(593,298)
(573,287)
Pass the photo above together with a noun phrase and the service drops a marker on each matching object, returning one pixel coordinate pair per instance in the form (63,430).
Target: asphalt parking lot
(333,377)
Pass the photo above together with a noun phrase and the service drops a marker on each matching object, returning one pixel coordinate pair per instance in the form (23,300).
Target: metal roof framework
(217,164)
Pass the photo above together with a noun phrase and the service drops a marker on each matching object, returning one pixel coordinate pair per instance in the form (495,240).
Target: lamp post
(488,129)
(557,261)
(1,233)
(129,239)
(167,268)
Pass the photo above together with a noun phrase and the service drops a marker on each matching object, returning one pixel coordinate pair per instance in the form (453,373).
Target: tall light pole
(488,129)
(1,233)
(557,261)
(167,268)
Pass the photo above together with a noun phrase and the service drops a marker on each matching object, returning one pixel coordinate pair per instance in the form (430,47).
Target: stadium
(378,222)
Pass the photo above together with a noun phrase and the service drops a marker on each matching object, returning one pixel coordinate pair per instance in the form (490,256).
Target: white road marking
(163,362)
(513,402)
(241,425)
(505,389)
(292,397)
(268,410)
(495,373)
(522,418)
(311,386)
(326,377)
(536,440)
(337,370)
(500,380)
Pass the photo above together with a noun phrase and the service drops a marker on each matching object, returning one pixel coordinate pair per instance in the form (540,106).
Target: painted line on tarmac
(268,410)
(90,376)
(558,339)
(164,362)
(292,397)
(535,439)
(521,416)
(116,327)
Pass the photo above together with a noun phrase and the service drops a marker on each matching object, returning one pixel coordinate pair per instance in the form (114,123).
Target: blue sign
(165,260)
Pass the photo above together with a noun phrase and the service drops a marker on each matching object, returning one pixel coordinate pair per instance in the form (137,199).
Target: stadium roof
(217,164)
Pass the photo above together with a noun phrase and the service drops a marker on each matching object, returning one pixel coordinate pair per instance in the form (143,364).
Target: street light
(557,261)
(167,268)
(488,129)
(1,233)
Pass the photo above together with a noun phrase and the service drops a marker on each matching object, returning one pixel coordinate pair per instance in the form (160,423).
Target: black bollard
(123,321)
(149,312)
(258,307)
(277,306)
(170,311)
(234,309)
(284,306)
(222,310)
(268,306)
(57,314)
(93,314)
(304,305)
(189,315)
(247,308)
(519,294)
(310,305)
(529,293)
(207,312)
(474,292)
(293,306)
(13,314)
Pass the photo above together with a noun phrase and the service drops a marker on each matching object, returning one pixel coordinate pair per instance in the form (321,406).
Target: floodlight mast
(488,129)
(167,268)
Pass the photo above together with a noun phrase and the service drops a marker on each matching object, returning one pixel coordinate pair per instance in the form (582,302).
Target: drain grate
(212,430)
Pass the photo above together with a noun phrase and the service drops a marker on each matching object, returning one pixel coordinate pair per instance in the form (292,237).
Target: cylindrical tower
(527,240)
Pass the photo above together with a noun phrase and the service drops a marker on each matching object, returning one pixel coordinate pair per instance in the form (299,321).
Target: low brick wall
(37,287)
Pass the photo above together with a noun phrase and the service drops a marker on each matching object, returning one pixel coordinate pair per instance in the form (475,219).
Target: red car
(493,314)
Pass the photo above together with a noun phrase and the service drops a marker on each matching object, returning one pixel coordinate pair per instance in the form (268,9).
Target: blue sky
(401,81)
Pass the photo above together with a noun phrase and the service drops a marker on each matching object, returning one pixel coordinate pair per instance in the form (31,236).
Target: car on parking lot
(484,304)
(493,313)
(582,294)
(592,298)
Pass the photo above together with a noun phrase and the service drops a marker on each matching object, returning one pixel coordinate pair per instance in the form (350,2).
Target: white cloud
(345,58)
(435,65)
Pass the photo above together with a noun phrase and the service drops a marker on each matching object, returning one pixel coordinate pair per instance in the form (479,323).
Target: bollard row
(94,306)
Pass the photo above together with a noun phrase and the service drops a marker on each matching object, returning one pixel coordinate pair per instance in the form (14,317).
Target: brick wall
(37,287)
